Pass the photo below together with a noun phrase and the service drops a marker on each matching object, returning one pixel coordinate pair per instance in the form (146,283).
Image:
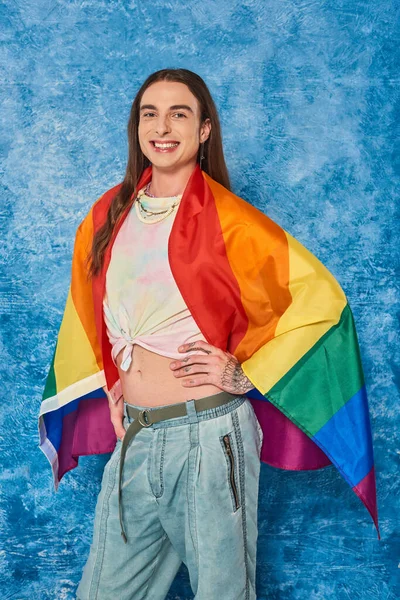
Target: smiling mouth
(164,144)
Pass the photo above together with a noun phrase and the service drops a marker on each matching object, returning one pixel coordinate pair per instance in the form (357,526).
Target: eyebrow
(174,107)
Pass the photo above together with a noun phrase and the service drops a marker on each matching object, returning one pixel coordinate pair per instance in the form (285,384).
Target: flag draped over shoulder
(73,394)
(253,290)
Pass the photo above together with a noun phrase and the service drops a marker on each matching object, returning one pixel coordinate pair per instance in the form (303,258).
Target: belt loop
(191,411)
(129,416)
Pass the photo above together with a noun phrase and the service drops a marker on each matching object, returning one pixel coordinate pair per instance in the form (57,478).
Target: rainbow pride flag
(254,291)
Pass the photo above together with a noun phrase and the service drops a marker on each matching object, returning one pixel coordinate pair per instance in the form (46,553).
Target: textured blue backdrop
(308,95)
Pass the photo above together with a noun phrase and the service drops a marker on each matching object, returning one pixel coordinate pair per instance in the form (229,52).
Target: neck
(169,183)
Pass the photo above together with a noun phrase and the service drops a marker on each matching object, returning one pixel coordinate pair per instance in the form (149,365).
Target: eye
(182,114)
(146,114)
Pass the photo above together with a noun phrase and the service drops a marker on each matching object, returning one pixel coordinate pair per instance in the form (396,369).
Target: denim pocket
(258,426)
(231,461)
(259,429)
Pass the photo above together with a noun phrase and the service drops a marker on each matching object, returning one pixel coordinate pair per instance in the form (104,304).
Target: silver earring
(201,153)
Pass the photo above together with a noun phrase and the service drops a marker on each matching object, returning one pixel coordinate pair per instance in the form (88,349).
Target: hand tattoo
(234,378)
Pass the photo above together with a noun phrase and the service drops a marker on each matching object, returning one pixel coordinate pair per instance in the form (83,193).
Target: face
(170,114)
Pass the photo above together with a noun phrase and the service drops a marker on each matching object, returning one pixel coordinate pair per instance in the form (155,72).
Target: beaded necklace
(141,211)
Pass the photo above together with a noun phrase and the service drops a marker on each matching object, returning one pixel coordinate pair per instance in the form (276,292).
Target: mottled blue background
(308,95)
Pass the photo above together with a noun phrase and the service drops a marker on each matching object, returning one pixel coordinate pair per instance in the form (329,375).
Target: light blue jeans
(190,493)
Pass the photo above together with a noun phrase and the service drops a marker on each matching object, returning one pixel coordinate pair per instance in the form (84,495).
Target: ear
(205,130)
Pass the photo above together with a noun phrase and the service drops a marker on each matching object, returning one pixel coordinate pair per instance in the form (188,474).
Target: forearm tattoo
(233,376)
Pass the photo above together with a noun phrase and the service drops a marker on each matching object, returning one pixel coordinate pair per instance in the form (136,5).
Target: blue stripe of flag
(256,395)
(347,434)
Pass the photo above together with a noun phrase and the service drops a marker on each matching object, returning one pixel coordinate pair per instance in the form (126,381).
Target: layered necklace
(147,216)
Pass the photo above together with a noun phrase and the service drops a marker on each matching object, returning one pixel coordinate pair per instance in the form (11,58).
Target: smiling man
(184,301)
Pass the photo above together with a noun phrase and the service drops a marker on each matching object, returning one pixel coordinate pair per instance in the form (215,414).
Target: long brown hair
(213,163)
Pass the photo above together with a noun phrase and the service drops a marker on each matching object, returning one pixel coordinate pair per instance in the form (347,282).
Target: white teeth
(165,145)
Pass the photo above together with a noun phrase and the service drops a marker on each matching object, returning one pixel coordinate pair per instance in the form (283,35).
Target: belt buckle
(143,422)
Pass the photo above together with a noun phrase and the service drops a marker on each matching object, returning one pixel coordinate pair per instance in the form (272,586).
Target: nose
(162,125)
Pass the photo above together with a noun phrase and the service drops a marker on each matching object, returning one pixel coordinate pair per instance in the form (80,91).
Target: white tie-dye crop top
(142,303)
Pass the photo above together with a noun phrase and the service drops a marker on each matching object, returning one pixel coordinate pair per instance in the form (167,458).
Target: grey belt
(146,417)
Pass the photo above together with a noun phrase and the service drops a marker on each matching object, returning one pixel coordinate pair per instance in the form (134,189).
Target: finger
(190,370)
(199,345)
(198,380)
(119,429)
(210,366)
(120,434)
(184,365)
(207,361)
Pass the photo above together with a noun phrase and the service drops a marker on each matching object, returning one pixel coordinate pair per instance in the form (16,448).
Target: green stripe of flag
(324,379)
(50,389)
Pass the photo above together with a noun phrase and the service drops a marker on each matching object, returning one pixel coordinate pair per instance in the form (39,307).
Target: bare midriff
(150,381)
